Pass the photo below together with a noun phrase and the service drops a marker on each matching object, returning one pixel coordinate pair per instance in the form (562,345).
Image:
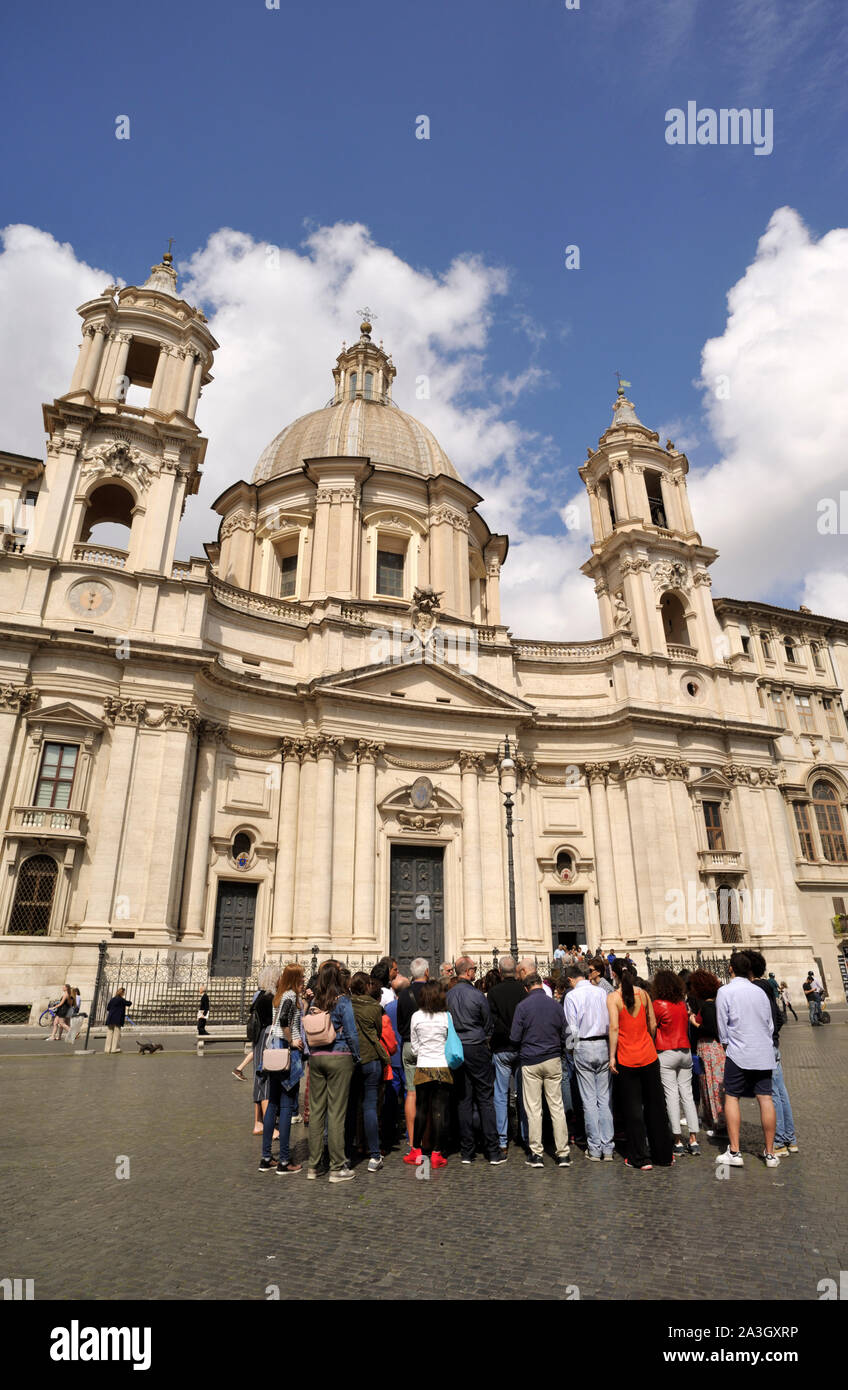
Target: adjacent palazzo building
(294,739)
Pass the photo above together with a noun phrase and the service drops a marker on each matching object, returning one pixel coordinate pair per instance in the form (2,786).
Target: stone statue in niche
(621,613)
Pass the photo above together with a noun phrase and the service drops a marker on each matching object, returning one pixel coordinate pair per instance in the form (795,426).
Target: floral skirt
(712,1082)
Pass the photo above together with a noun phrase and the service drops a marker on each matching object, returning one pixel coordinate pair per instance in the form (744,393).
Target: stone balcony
(721,861)
(105,555)
(49,823)
(681,653)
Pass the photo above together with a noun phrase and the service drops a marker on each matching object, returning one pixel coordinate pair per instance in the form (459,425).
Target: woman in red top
(633,1060)
(675,1056)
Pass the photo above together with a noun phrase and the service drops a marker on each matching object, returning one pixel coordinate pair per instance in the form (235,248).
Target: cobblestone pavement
(196,1220)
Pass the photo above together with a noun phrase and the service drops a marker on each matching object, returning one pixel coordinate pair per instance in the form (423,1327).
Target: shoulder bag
(275,1055)
(454,1054)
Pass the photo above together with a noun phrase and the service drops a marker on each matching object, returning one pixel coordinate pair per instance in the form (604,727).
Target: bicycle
(46,1018)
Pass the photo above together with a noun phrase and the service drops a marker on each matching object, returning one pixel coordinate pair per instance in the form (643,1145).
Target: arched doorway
(33,896)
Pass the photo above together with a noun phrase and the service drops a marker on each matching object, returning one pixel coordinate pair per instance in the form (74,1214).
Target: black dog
(149,1047)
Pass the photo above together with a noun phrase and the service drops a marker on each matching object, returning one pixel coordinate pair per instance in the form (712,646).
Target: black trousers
(475,1084)
(645,1116)
(432,1099)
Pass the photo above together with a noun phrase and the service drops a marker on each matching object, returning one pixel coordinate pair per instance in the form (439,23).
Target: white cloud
(779,421)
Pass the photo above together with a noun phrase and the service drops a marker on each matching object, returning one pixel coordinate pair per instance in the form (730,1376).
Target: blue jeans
(785,1131)
(281,1103)
(591,1062)
(365,1087)
(506,1065)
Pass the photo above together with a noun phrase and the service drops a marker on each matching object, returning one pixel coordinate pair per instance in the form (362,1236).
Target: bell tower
(648,562)
(123,445)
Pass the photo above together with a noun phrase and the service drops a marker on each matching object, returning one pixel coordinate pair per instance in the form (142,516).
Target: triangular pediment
(711,781)
(64,713)
(438,683)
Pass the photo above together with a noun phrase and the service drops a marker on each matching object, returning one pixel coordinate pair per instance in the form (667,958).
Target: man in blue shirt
(539,1031)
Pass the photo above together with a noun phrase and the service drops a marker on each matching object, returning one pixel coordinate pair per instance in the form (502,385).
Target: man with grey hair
(586,1014)
(419,970)
(503,999)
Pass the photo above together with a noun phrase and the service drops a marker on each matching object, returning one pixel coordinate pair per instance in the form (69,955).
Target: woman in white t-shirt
(427,1037)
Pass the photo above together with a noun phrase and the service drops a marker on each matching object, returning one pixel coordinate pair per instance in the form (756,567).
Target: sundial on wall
(90,598)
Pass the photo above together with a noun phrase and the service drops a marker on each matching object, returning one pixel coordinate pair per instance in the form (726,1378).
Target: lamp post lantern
(507,781)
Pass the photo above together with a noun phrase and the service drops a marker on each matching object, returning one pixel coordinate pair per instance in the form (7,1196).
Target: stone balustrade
(49,821)
(105,555)
(681,653)
(714,860)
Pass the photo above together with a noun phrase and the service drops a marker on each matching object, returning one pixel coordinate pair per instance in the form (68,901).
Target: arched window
(675,626)
(829,821)
(33,897)
(109,514)
(353,386)
(728,913)
(564,866)
(766,645)
(369,386)
(817,656)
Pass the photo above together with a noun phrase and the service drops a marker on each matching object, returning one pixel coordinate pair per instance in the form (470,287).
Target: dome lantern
(363,371)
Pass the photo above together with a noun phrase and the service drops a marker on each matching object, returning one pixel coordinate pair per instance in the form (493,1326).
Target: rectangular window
(839,907)
(805,714)
(831,717)
(802,824)
(766,645)
(55,779)
(288,569)
(390,573)
(712,820)
(779,707)
(746,644)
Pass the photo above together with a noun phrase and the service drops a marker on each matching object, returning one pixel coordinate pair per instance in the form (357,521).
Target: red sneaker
(413,1157)
(437,1161)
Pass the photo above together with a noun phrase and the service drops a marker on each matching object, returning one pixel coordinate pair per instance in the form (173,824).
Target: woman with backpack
(329,1028)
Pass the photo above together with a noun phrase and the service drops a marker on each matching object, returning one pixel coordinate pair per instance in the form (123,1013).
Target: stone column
(284,869)
(115,390)
(784,850)
(595,513)
(303,888)
(111,820)
(192,927)
(318,577)
(637,495)
(15,700)
(94,358)
(692,932)
(196,381)
(685,507)
(472,864)
(157,388)
(186,379)
(86,347)
(493,592)
(166,866)
(762,876)
(650,834)
(596,775)
(322,839)
(619,496)
(365,862)
(605,605)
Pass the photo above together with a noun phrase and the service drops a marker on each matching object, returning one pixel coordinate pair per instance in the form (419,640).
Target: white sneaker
(342,1175)
(771,1160)
(731,1159)
(374,1165)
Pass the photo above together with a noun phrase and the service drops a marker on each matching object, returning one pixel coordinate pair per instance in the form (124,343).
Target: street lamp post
(506,778)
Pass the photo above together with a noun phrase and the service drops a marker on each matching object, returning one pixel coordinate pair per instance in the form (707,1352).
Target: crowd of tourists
(456,1065)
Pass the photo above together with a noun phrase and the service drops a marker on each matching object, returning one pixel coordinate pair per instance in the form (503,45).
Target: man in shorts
(743,1012)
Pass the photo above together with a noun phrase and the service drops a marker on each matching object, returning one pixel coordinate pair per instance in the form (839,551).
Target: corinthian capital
(596,772)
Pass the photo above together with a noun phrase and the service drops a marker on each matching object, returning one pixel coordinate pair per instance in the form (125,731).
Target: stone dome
(356,428)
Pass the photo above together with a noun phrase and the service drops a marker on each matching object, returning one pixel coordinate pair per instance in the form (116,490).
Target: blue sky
(546,129)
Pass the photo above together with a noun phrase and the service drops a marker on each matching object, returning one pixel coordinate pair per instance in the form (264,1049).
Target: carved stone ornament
(239,521)
(638,765)
(596,772)
(423,609)
(18,697)
(702,577)
(621,613)
(670,574)
(635,566)
(410,821)
(120,711)
(117,459)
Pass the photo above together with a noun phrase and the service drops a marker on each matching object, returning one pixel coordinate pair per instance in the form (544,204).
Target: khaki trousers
(535,1078)
(113,1039)
(329,1083)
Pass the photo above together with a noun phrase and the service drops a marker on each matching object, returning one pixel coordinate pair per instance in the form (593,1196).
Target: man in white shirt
(743,1014)
(588,1021)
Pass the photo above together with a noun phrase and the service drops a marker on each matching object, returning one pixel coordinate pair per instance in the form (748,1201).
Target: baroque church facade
(298,738)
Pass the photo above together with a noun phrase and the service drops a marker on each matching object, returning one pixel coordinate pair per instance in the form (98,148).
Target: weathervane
(622,383)
(367,314)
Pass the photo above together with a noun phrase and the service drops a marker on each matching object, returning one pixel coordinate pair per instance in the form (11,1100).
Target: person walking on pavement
(786,1002)
(539,1031)
(475,1079)
(116,1013)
